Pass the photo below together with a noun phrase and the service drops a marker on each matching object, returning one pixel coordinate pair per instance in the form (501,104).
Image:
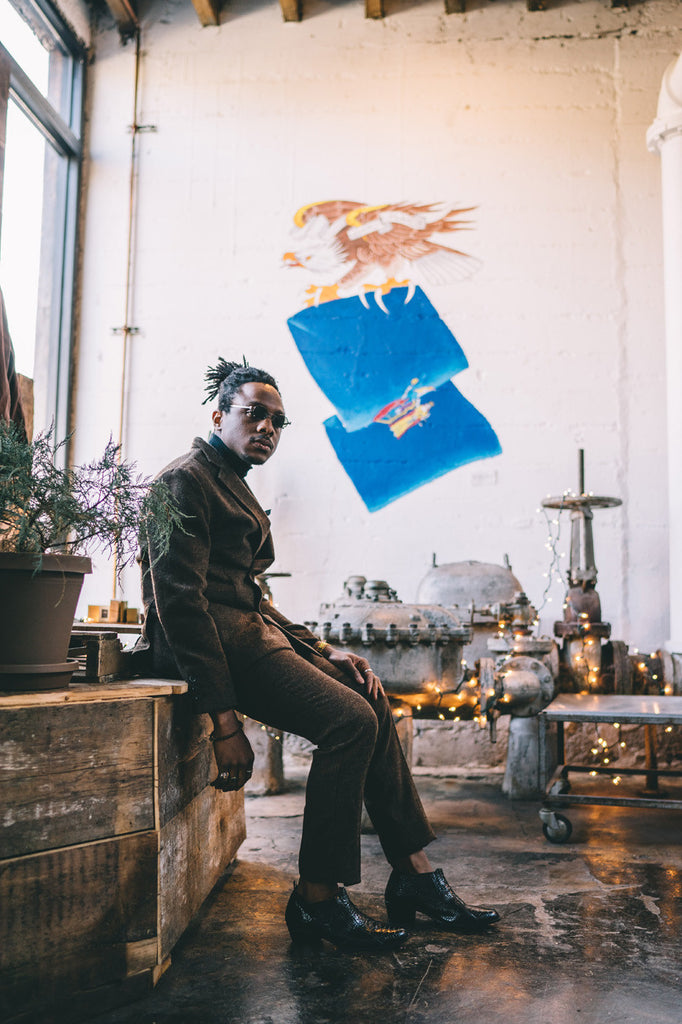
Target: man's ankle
(316,892)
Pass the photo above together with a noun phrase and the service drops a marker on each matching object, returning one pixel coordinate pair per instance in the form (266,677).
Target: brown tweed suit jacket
(205,614)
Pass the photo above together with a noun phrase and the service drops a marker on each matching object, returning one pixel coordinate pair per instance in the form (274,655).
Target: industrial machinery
(590,661)
(416,650)
(467,648)
(587,662)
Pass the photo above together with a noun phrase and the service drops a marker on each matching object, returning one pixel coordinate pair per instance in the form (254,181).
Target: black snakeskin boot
(430,894)
(340,922)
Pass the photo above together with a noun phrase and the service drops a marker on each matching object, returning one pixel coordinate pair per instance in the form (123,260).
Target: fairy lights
(605,753)
(272,734)
(553,574)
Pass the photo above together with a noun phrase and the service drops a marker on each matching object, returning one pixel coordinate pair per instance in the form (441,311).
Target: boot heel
(301,929)
(401,913)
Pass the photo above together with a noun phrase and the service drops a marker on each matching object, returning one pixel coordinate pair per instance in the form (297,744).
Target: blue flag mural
(377,348)
(384,463)
(364,356)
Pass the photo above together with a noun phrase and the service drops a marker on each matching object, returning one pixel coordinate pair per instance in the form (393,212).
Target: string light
(271,733)
(605,754)
(553,573)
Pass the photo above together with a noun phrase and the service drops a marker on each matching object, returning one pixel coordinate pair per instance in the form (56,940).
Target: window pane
(22,208)
(19,39)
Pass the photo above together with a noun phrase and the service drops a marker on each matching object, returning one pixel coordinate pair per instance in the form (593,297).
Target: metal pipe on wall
(126,331)
(665,137)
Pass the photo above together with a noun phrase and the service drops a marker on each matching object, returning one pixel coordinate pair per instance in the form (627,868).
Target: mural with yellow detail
(376,345)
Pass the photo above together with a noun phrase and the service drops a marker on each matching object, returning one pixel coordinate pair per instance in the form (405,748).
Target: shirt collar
(238,465)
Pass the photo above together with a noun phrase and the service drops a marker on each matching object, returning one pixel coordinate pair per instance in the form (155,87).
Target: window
(41,85)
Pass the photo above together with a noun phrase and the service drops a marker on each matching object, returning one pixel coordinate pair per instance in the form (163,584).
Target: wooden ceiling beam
(292,10)
(374,8)
(208,11)
(125,16)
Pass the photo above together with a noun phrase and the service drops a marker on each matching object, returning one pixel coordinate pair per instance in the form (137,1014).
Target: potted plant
(50,517)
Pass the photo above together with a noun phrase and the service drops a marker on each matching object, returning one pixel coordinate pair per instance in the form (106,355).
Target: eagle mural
(377,360)
(351,249)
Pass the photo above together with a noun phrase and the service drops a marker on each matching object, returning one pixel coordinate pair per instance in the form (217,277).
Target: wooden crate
(110,840)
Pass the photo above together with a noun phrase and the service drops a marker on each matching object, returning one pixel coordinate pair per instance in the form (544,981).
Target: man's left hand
(358,668)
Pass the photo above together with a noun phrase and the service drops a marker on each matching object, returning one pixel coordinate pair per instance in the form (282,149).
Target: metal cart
(589,707)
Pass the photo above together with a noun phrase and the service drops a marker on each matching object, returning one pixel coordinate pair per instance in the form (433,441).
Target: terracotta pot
(36,619)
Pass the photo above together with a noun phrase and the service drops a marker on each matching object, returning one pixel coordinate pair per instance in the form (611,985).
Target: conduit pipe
(665,137)
(127,331)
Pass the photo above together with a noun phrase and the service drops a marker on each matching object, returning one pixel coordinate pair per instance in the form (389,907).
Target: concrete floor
(590,930)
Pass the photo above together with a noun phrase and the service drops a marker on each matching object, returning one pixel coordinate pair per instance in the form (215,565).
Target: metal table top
(625,709)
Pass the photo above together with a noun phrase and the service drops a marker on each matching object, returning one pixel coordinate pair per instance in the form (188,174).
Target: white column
(665,137)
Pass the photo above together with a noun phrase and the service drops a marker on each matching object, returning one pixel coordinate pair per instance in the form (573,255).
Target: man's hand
(234,755)
(356,667)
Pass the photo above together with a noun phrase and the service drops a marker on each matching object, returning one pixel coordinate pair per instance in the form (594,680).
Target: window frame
(62,130)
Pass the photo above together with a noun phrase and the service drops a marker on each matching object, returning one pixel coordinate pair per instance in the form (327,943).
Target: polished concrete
(590,930)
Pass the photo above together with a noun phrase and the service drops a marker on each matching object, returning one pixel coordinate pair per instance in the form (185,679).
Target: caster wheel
(559,833)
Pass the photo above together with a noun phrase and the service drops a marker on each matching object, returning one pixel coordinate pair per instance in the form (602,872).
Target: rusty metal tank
(476,589)
(416,649)
(462,583)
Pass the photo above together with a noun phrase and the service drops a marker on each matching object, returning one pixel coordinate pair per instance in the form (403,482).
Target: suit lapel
(237,487)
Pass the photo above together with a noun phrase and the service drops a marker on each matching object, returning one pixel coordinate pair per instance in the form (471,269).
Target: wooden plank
(69,918)
(74,774)
(90,1004)
(141,955)
(374,8)
(196,848)
(87,693)
(208,12)
(292,10)
(124,15)
(82,924)
(185,756)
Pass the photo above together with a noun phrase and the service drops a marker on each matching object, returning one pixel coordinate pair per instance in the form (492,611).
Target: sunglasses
(258,413)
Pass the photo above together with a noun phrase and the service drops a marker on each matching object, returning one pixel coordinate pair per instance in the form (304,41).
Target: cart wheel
(559,833)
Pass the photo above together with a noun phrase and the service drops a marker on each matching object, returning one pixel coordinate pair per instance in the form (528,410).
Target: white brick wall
(537,119)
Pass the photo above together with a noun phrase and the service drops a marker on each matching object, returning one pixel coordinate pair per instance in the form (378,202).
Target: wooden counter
(110,840)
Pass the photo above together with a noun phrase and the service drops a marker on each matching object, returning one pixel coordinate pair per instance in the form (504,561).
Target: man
(205,619)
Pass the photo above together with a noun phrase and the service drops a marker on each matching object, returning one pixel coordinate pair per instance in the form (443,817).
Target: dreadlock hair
(224,380)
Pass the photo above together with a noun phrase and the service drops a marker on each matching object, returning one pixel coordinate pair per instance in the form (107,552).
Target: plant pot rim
(52,562)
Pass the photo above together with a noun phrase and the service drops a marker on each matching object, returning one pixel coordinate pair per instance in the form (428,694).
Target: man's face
(253,439)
